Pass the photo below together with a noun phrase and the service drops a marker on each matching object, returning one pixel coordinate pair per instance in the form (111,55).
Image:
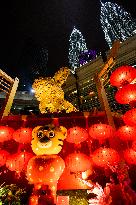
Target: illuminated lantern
(104,157)
(130,156)
(18,162)
(6,133)
(23,135)
(126,132)
(45,169)
(101,131)
(78,162)
(3,157)
(122,75)
(76,135)
(129,117)
(49,93)
(127,94)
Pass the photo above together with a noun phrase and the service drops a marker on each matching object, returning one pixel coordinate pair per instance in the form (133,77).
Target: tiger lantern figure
(45,169)
(50,94)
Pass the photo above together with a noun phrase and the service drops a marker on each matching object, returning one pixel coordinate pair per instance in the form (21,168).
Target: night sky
(50,23)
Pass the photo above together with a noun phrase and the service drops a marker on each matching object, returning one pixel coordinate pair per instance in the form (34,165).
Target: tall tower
(39,65)
(34,59)
(77,45)
(116,23)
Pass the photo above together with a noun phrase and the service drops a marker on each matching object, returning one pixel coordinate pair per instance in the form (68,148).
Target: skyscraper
(77,45)
(117,24)
(34,59)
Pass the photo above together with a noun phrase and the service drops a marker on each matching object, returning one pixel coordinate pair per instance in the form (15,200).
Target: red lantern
(23,135)
(126,94)
(6,133)
(126,132)
(3,157)
(104,157)
(101,131)
(129,117)
(76,135)
(45,169)
(130,156)
(78,162)
(18,162)
(122,75)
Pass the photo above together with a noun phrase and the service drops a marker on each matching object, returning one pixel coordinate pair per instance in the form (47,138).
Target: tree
(116,23)
(12,194)
(77,45)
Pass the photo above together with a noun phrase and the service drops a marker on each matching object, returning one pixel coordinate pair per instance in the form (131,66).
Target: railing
(102,78)
(9,87)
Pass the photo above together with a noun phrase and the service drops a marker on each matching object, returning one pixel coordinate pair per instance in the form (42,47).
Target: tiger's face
(48,139)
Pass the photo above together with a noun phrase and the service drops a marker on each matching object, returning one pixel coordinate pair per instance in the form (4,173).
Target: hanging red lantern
(78,162)
(18,162)
(127,94)
(122,75)
(129,117)
(126,132)
(76,135)
(23,135)
(6,133)
(3,157)
(130,156)
(104,157)
(45,169)
(101,131)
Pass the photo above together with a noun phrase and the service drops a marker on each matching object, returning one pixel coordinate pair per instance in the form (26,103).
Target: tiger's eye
(51,134)
(40,134)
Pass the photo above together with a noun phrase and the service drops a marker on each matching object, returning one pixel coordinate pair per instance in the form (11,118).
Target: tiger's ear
(63,130)
(35,130)
(61,75)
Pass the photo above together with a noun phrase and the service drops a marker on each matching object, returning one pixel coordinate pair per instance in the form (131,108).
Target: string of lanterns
(123,78)
(18,161)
